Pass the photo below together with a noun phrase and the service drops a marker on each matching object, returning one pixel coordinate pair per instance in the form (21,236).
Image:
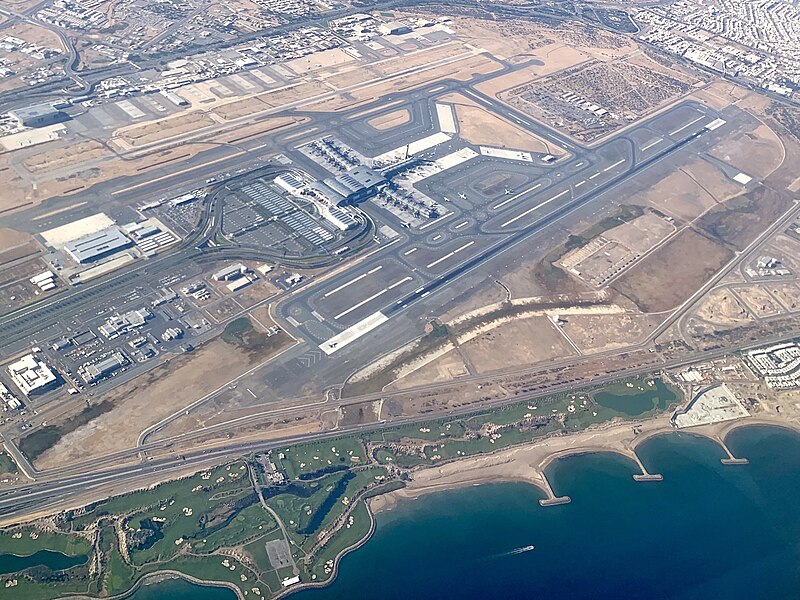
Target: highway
(412,268)
(93,481)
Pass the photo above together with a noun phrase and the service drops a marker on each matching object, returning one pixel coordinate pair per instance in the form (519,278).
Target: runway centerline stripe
(580,183)
(530,210)
(595,175)
(370,299)
(515,196)
(651,144)
(700,118)
(352,281)
(409,252)
(616,164)
(450,254)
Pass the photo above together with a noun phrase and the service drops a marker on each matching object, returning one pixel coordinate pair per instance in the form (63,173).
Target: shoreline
(519,464)
(525,463)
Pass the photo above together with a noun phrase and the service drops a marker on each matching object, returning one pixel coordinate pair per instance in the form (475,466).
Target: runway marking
(352,281)
(371,298)
(580,164)
(595,175)
(410,252)
(530,210)
(450,254)
(251,393)
(515,196)
(700,118)
(435,221)
(460,225)
(616,164)
(350,334)
(580,183)
(650,145)
(59,211)
(318,316)
(437,237)
(402,281)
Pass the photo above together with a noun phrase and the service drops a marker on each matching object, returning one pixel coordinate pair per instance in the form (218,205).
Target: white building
(31,375)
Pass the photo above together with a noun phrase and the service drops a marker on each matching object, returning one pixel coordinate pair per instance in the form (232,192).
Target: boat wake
(514,552)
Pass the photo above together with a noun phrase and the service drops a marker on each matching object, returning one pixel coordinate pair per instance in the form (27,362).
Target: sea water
(706,531)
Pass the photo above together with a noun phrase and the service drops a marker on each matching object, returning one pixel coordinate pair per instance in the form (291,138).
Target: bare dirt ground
(521,342)
(720,94)
(11,238)
(423,58)
(788,294)
(599,333)
(672,273)
(351,77)
(391,119)
(739,220)
(320,60)
(722,307)
(479,126)
(522,41)
(150,398)
(252,105)
(757,153)
(556,57)
(35,34)
(163,129)
(444,368)
(759,301)
(689,191)
(262,127)
(66,157)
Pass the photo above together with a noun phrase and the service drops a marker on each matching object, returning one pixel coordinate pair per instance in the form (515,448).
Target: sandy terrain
(262,127)
(599,333)
(788,294)
(391,119)
(522,41)
(481,127)
(444,368)
(319,60)
(351,77)
(689,191)
(555,57)
(720,94)
(163,129)
(10,239)
(757,153)
(529,463)
(724,308)
(65,157)
(520,342)
(149,399)
(673,272)
(35,34)
(423,58)
(759,301)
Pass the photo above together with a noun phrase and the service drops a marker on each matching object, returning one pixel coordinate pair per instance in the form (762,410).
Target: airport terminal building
(97,245)
(352,187)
